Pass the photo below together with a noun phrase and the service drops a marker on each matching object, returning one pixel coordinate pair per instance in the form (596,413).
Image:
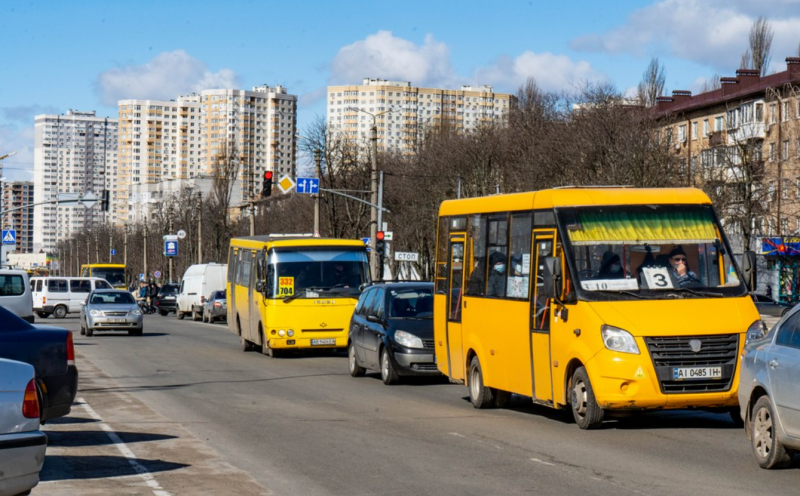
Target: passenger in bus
(610,267)
(497,275)
(679,268)
(341,277)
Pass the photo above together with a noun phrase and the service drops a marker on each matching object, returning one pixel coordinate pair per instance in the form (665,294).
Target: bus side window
(270,280)
(475,259)
(519,265)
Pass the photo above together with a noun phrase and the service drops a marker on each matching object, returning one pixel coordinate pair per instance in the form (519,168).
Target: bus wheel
(501,398)
(266,350)
(585,410)
(60,312)
(355,369)
(480,395)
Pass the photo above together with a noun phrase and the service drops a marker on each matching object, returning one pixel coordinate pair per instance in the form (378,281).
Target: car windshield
(411,303)
(649,251)
(117,297)
(114,275)
(306,273)
(218,295)
(169,289)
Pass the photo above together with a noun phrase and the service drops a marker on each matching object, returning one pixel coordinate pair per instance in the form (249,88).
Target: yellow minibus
(294,292)
(603,300)
(113,273)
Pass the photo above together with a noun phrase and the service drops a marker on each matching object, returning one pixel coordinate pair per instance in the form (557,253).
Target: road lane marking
(140,469)
(543,462)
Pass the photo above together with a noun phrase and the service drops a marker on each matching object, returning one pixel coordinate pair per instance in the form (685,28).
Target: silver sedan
(769,392)
(111,310)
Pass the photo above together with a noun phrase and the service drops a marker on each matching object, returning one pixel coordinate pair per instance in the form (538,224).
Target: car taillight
(218,304)
(202,299)
(70,350)
(30,405)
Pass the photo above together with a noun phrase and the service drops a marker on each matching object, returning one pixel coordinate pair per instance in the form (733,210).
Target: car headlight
(136,312)
(96,313)
(616,339)
(407,339)
(757,330)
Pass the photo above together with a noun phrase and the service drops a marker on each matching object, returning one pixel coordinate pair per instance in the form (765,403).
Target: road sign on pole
(9,237)
(308,185)
(406,256)
(157,274)
(113,252)
(286,184)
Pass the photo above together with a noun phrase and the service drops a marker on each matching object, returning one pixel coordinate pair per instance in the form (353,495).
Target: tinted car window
(784,337)
(379,304)
(366,302)
(57,285)
(12,285)
(411,303)
(169,289)
(80,286)
(102,285)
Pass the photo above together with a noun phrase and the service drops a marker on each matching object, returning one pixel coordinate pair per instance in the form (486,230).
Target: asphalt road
(302,426)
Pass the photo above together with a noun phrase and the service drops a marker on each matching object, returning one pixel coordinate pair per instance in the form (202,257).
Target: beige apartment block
(403,113)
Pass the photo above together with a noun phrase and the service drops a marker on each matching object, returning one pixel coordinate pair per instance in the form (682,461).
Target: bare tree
(711,84)
(652,85)
(758,56)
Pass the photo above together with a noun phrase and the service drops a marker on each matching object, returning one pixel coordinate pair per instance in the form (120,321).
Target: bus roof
(291,241)
(574,197)
(102,265)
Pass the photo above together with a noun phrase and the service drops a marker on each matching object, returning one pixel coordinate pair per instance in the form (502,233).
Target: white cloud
(382,55)
(166,76)
(551,72)
(711,32)
(18,167)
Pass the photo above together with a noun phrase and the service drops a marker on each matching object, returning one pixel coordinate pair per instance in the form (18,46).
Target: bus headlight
(616,339)
(407,339)
(281,333)
(290,333)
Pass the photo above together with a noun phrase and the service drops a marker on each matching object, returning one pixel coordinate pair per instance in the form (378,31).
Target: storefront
(783,265)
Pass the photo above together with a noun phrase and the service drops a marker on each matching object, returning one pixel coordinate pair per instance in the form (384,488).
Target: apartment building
(206,134)
(16,194)
(741,142)
(402,113)
(74,154)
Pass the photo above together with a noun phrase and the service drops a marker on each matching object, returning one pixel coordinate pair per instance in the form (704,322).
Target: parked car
(51,352)
(22,444)
(15,293)
(111,310)
(197,284)
(392,331)
(767,306)
(215,307)
(167,299)
(59,296)
(769,392)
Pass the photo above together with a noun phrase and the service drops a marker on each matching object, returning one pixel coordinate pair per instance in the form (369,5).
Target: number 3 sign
(657,278)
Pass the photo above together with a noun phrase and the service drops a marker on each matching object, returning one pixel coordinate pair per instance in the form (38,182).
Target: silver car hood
(113,307)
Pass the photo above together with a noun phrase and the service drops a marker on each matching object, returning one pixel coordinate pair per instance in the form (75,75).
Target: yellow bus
(292,293)
(113,273)
(575,297)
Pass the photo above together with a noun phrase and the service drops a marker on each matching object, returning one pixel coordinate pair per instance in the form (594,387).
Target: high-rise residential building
(16,194)
(404,112)
(74,153)
(251,131)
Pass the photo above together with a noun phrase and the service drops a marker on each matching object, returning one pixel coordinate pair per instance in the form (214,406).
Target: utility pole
(145,251)
(125,247)
(88,251)
(200,227)
(373,217)
(110,244)
(318,162)
(170,232)
(96,248)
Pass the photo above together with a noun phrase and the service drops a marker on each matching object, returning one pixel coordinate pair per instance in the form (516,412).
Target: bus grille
(671,352)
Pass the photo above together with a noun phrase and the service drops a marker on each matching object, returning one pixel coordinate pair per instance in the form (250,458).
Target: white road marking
(456,434)
(140,469)
(543,462)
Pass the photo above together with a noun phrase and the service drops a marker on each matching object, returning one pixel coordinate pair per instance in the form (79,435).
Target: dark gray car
(767,306)
(769,392)
(216,308)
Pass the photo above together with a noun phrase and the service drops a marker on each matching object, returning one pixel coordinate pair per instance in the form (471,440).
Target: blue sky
(84,55)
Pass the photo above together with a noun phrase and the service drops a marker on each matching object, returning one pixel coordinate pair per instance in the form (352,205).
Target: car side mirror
(551,276)
(374,319)
(749,270)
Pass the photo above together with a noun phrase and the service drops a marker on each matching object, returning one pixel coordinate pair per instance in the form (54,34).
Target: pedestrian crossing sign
(9,237)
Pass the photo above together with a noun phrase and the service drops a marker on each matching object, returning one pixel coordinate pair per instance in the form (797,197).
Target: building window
(682,133)
(785,189)
(718,123)
(694,130)
(705,127)
(773,113)
(785,150)
(772,152)
(784,111)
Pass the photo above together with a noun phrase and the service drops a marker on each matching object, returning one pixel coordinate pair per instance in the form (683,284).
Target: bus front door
(542,390)
(455,286)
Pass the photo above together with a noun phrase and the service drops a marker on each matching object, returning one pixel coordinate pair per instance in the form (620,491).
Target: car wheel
(388,373)
(480,395)
(162,313)
(89,331)
(355,369)
(585,410)
(60,312)
(768,450)
(196,316)
(179,314)
(42,315)
(83,329)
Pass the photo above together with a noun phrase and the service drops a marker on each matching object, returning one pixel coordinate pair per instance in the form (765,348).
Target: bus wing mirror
(260,286)
(551,276)
(749,270)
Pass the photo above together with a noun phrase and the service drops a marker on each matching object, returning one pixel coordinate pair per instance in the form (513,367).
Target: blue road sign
(307,185)
(366,242)
(171,248)
(157,274)
(141,276)
(9,237)
(113,252)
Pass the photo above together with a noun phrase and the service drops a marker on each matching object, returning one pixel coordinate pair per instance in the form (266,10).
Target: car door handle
(773,364)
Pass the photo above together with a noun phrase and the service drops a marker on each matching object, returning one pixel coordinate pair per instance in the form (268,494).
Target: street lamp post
(2,200)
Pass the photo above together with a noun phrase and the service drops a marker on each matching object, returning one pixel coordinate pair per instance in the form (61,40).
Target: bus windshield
(307,273)
(648,252)
(114,275)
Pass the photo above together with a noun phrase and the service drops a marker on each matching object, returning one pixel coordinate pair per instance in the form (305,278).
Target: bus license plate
(322,342)
(688,373)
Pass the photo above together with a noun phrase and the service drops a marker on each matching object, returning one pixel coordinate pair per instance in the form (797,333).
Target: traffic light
(266,188)
(380,243)
(104,201)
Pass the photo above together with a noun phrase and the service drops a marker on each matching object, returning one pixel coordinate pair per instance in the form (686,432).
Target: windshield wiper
(630,293)
(698,293)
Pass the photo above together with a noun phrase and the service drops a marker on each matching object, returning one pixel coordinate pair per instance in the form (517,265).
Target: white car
(22,444)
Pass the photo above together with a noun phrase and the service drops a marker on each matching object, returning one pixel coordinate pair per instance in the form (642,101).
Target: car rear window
(11,285)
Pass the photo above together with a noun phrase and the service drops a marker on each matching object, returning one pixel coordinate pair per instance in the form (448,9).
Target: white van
(15,294)
(62,295)
(198,283)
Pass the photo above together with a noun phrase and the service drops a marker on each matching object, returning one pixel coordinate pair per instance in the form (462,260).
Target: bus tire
(60,312)
(501,398)
(356,370)
(585,410)
(266,350)
(480,395)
